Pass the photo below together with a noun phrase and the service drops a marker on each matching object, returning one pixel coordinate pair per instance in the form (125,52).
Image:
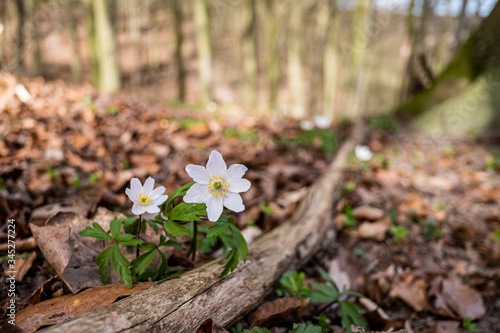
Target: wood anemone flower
(217,186)
(145,199)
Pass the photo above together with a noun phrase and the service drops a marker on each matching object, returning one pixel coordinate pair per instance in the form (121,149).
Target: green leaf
(96,231)
(292,281)
(102,260)
(231,262)
(188,211)
(140,263)
(115,226)
(120,264)
(175,229)
(153,225)
(353,293)
(128,240)
(148,246)
(324,293)
(128,221)
(327,277)
(351,315)
(303,328)
(164,269)
(177,193)
(239,242)
(217,228)
(257,330)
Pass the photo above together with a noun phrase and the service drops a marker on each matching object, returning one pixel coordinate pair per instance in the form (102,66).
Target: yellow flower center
(217,186)
(144,199)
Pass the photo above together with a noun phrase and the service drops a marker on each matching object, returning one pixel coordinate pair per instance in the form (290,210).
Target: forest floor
(418,225)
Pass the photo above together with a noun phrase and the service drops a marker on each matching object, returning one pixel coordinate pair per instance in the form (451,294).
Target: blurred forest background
(338,58)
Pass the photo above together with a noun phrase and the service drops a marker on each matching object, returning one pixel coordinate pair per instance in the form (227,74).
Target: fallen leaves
(272,313)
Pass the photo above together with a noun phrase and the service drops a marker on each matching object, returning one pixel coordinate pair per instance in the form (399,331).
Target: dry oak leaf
(210,326)
(60,309)
(411,290)
(274,312)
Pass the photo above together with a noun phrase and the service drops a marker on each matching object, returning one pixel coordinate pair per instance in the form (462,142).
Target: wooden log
(181,305)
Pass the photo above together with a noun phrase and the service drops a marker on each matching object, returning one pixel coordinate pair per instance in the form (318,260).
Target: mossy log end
(181,305)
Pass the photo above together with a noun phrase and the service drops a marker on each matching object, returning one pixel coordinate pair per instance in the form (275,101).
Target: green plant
(350,220)
(362,254)
(291,283)
(493,161)
(431,230)
(469,325)
(94,177)
(266,208)
(327,137)
(496,235)
(245,136)
(304,328)
(76,183)
(440,206)
(384,122)
(87,101)
(448,151)
(111,110)
(350,186)
(398,233)
(53,174)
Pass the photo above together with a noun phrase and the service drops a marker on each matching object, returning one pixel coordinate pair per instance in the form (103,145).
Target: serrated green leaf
(188,211)
(303,328)
(128,240)
(148,246)
(257,330)
(96,231)
(175,229)
(239,242)
(140,263)
(102,260)
(120,264)
(153,225)
(324,293)
(327,277)
(114,227)
(231,262)
(173,243)
(292,281)
(177,193)
(351,315)
(217,228)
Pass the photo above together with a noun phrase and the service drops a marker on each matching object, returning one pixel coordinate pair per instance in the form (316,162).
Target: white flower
(217,186)
(363,153)
(322,122)
(145,199)
(306,125)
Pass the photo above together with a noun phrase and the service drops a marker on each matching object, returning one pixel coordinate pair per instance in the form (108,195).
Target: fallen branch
(181,305)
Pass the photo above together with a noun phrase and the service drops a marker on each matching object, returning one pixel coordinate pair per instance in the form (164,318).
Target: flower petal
(214,208)
(131,195)
(197,194)
(198,173)
(233,202)
(152,209)
(148,185)
(216,164)
(138,209)
(236,171)
(158,201)
(238,185)
(136,187)
(157,192)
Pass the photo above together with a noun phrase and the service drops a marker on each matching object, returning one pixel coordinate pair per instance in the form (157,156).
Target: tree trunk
(203,45)
(273,64)
(181,305)
(76,65)
(361,20)
(134,19)
(153,37)
(109,71)
(249,53)
(461,31)
(30,29)
(179,38)
(20,31)
(330,61)
(295,60)
(91,36)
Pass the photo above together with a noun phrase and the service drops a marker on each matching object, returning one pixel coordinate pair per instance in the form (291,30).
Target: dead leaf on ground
(210,326)
(274,312)
(411,290)
(374,230)
(23,265)
(60,309)
(368,213)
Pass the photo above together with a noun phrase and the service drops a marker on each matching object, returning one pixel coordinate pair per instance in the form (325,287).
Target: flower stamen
(144,199)
(217,186)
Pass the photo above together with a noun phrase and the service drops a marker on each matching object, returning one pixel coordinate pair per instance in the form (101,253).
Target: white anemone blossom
(363,153)
(217,186)
(145,199)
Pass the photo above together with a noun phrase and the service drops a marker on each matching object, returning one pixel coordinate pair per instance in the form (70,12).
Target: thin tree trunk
(109,72)
(330,61)
(3,33)
(134,19)
(273,65)
(91,36)
(361,21)
(203,44)
(76,65)
(154,36)
(249,53)
(461,32)
(179,39)
(295,60)
(20,31)
(30,29)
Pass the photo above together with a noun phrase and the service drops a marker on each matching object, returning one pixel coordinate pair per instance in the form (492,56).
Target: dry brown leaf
(210,326)
(62,308)
(23,265)
(368,213)
(376,230)
(411,290)
(274,312)
(464,300)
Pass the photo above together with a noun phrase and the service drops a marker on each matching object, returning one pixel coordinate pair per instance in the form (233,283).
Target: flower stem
(194,241)
(138,235)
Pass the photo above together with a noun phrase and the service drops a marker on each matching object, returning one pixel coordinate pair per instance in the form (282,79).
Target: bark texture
(182,304)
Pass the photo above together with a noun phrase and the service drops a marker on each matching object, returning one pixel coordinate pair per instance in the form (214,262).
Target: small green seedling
(398,233)
(292,283)
(431,230)
(469,325)
(496,235)
(350,220)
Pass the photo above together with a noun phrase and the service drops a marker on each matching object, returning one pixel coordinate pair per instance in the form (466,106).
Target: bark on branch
(181,305)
